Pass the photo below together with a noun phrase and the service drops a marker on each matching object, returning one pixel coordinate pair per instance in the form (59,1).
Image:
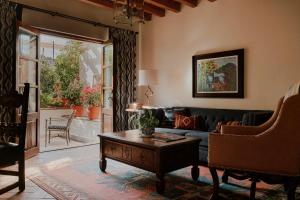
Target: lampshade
(147,77)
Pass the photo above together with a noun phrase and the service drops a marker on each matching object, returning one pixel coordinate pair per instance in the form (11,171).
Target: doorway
(70,82)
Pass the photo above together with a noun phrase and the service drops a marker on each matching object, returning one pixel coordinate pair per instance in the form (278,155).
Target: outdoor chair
(56,126)
(12,136)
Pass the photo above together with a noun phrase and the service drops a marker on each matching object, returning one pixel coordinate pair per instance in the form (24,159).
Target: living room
(170,64)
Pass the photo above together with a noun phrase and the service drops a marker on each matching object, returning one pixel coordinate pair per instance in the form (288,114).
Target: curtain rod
(52,13)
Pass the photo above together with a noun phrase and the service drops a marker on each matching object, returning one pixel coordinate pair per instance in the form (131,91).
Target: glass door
(107,89)
(27,72)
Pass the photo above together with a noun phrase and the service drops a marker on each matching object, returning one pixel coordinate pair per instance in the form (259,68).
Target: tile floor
(32,192)
(60,143)
(52,158)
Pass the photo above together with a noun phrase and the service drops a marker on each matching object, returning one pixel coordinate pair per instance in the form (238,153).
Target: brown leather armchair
(270,152)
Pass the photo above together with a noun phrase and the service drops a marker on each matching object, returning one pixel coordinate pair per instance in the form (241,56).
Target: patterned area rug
(72,179)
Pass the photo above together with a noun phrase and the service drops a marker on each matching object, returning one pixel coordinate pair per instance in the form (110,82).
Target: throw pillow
(170,113)
(229,123)
(188,123)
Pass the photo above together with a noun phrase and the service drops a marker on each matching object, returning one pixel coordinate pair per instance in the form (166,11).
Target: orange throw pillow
(189,123)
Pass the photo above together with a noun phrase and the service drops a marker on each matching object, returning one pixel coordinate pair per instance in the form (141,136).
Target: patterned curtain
(124,44)
(8,26)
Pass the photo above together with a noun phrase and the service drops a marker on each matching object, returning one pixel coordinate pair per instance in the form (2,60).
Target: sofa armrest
(241,130)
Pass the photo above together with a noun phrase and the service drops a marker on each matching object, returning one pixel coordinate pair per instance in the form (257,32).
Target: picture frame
(219,75)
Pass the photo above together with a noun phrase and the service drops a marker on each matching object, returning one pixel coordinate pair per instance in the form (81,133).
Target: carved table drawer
(113,149)
(143,158)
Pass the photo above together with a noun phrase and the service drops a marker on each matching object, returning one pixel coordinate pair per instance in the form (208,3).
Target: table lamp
(148,77)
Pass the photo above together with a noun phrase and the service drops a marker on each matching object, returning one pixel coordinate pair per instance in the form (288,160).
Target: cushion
(58,127)
(229,123)
(188,123)
(200,134)
(8,153)
(170,113)
(293,90)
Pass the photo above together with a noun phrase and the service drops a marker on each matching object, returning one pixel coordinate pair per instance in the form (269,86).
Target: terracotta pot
(78,110)
(94,112)
(65,102)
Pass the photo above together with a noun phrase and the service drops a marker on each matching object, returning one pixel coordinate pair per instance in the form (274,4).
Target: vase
(78,110)
(148,131)
(94,112)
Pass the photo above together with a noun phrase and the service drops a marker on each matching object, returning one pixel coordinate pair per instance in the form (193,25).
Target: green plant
(74,93)
(45,100)
(148,120)
(48,76)
(92,96)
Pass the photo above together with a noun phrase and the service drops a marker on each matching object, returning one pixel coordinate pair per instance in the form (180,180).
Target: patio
(82,130)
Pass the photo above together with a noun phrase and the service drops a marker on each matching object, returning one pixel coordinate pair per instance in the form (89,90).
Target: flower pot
(148,131)
(94,112)
(65,102)
(78,110)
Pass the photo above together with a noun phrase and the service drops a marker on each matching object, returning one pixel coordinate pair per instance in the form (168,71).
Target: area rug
(80,178)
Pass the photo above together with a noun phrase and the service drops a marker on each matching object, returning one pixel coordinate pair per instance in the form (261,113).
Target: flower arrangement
(92,96)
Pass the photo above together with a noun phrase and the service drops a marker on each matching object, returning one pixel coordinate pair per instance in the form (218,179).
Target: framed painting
(219,75)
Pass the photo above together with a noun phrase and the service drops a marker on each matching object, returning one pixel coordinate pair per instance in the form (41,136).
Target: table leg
(195,172)
(102,164)
(160,183)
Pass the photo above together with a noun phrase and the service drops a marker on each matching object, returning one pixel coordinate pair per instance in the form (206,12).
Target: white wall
(90,64)
(268,30)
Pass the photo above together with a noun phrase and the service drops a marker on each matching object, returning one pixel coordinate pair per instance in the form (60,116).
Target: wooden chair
(12,137)
(65,129)
(269,153)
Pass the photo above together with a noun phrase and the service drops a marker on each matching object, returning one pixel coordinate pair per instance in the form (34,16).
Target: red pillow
(188,123)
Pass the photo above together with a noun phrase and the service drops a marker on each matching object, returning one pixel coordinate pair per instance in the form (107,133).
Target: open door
(27,71)
(107,89)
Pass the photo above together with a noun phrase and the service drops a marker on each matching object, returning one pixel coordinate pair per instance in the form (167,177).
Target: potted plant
(92,98)
(147,122)
(75,97)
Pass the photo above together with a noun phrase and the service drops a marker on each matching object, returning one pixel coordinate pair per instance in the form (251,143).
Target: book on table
(166,137)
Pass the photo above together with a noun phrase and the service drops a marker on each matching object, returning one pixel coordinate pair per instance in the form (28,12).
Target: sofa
(209,119)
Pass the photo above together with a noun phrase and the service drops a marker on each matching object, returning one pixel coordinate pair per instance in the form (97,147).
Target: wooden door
(27,71)
(107,89)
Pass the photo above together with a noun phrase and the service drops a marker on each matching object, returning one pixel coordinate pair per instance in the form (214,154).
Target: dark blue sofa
(210,118)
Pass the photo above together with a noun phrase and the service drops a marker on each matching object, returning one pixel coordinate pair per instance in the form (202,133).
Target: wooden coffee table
(154,156)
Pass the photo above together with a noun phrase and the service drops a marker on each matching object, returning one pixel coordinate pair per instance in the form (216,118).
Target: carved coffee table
(150,155)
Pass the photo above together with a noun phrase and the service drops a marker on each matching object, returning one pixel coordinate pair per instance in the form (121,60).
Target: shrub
(67,65)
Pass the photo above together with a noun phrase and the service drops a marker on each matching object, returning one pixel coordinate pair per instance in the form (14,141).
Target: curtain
(124,44)
(8,28)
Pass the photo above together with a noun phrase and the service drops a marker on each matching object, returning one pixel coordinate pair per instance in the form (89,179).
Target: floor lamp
(148,77)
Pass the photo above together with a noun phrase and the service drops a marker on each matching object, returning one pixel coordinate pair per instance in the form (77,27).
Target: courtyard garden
(62,86)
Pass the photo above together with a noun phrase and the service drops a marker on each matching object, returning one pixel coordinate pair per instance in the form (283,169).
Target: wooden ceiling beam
(191,3)
(154,10)
(147,16)
(166,4)
(110,4)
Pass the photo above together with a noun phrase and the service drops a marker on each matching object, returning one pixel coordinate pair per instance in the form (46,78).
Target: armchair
(270,152)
